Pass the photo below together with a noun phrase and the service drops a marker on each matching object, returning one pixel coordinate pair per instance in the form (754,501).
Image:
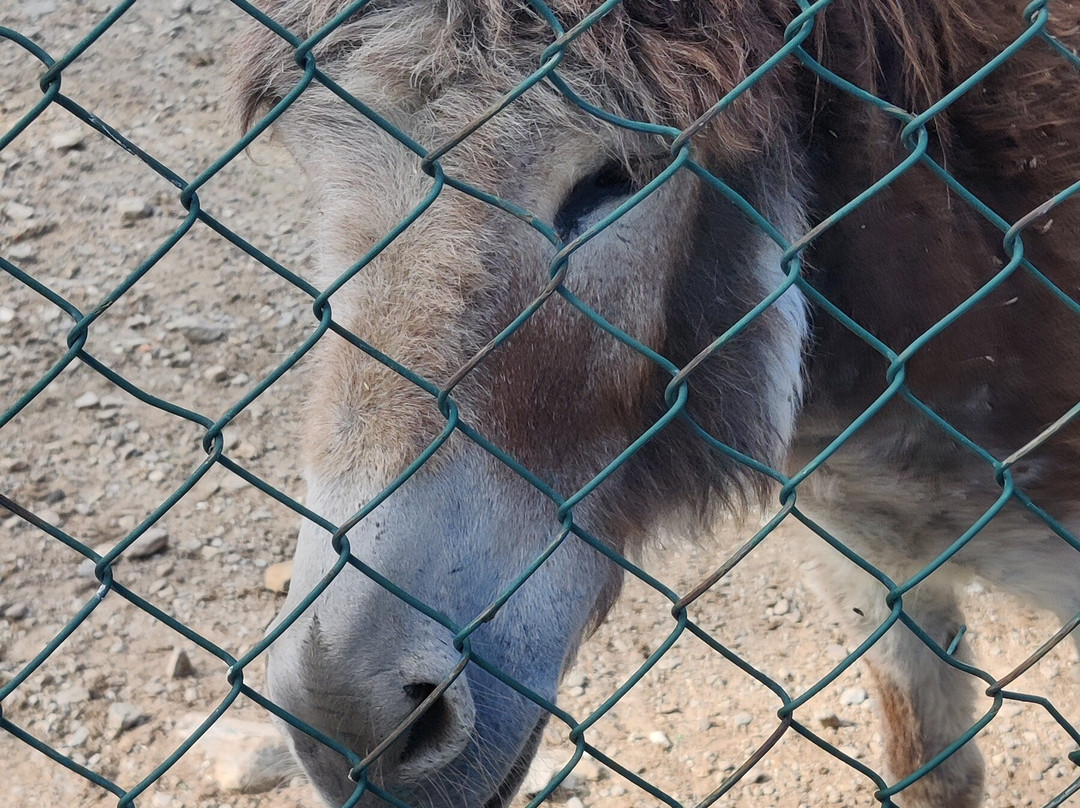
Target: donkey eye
(597,194)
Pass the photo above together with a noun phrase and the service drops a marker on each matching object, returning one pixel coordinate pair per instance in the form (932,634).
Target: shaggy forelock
(651,60)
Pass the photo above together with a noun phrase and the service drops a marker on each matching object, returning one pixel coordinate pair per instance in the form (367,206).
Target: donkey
(563,398)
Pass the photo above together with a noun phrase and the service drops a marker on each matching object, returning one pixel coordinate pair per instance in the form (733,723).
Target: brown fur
(906,749)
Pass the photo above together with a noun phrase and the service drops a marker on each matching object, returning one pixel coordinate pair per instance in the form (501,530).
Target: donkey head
(562,396)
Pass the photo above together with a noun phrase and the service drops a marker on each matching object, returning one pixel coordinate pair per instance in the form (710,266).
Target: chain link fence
(190,186)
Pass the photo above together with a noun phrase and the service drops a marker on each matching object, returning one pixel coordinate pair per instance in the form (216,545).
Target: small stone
(179,665)
(72,695)
(575,679)
(18,212)
(574,802)
(123,716)
(66,141)
(248,757)
(588,769)
(38,8)
(150,543)
(87,401)
(742,719)
(190,546)
(277,577)
(216,373)
(209,553)
(30,229)
(234,483)
(781,607)
(669,662)
(853,696)
(205,488)
(16,611)
(78,737)
(195,330)
(6,315)
(660,739)
(131,209)
(22,252)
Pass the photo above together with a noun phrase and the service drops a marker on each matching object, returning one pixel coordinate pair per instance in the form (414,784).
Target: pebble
(277,577)
(205,488)
(574,802)
(16,611)
(190,546)
(131,209)
(52,517)
(72,695)
(781,607)
(668,662)
(246,756)
(586,769)
(150,543)
(38,8)
(216,373)
(87,401)
(18,212)
(179,665)
(22,252)
(123,716)
(66,141)
(196,331)
(576,679)
(660,739)
(852,696)
(78,737)
(742,719)
(6,315)
(234,483)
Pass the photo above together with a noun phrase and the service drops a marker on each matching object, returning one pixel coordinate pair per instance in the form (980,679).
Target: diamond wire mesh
(915,139)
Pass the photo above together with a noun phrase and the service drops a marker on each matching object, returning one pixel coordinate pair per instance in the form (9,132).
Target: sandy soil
(200,329)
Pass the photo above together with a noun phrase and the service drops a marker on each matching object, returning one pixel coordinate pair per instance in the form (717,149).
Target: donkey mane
(657,60)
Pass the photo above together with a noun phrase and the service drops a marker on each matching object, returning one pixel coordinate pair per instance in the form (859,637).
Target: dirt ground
(201,328)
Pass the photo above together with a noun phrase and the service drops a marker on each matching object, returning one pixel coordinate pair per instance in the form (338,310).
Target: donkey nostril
(432,731)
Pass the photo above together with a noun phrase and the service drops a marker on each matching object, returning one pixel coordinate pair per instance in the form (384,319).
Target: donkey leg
(925,703)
